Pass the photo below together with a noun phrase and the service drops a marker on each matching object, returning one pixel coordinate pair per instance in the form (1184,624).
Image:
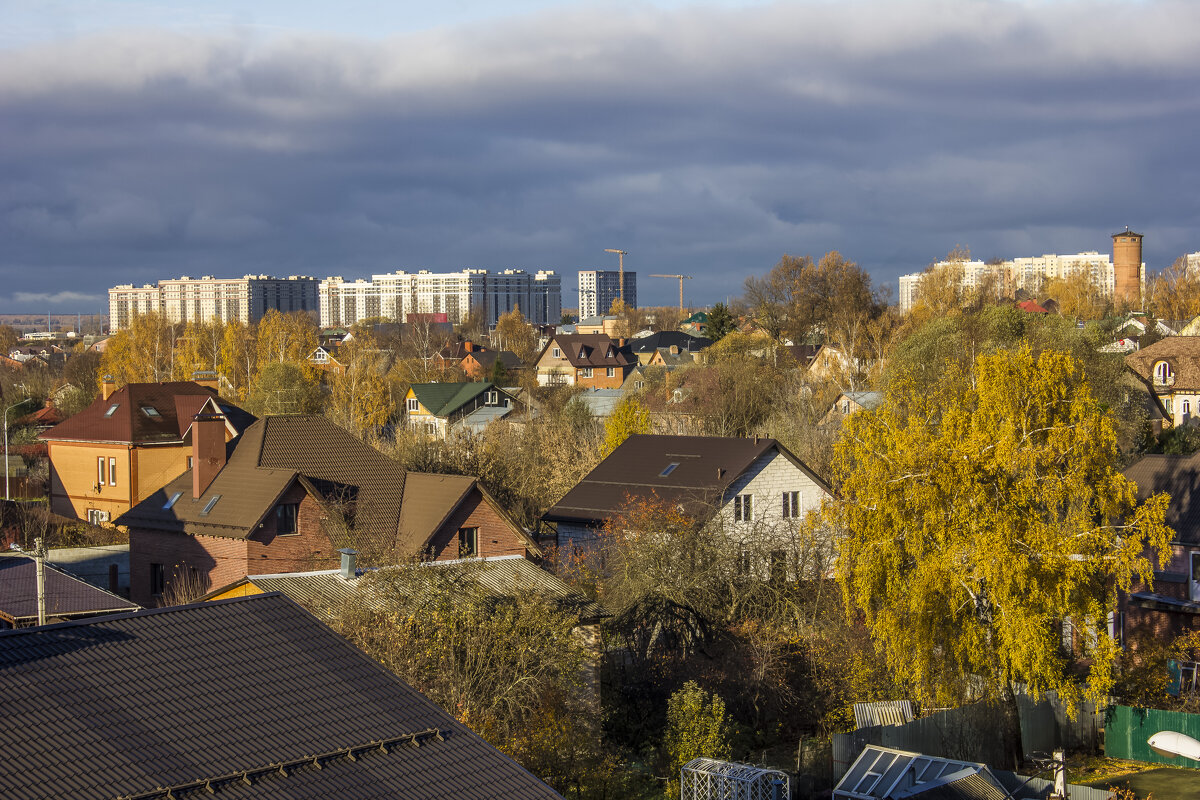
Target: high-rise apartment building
(598,288)
(187,299)
(1031,273)
(448,297)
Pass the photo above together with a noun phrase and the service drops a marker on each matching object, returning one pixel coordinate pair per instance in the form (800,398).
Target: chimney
(208,450)
(108,385)
(207,379)
(469,346)
(720,473)
(674,349)
(621,342)
(349,559)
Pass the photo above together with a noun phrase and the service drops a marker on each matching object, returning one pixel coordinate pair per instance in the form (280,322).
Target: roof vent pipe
(349,565)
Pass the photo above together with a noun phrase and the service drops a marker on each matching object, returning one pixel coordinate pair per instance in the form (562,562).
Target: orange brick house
(127,445)
(294,491)
(592,360)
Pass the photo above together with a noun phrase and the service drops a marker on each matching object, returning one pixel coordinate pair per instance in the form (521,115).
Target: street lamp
(8,496)
(1173,744)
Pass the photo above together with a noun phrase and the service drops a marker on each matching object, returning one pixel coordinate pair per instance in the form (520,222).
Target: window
(639,384)
(151,412)
(157,579)
(743,508)
(468,542)
(209,505)
(1186,408)
(670,468)
(112,409)
(96,516)
(610,372)
(112,472)
(189,462)
(1167,405)
(1163,374)
(791,505)
(492,399)
(557,353)
(414,405)
(744,561)
(586,372)
(845,408)
(285,518)
(101,473)
(170,503)
(1195,586)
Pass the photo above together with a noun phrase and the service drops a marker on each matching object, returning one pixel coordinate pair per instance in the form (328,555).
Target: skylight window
(670,468)
(112,409)
(151,412)
(171,502)
(209,505)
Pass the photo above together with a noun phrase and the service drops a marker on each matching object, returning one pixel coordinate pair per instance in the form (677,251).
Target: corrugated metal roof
(882,773)
(134,703)
(66,596)
(882,712)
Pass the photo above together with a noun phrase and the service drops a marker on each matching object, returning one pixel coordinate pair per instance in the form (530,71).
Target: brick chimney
(208,379)
(208,450)
(469,346)
(108,385)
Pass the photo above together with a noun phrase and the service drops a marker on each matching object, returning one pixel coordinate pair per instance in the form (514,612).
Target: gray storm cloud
(701,140)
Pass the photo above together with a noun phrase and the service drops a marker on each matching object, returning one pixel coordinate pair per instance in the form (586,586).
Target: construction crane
(620,266)
(681,279)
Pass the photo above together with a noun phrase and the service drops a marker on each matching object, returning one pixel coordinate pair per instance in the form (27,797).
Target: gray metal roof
(66,596)
(142,703)
(882,712)
(880,773)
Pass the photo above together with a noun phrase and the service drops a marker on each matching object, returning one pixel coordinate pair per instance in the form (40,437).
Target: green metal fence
(1127,730)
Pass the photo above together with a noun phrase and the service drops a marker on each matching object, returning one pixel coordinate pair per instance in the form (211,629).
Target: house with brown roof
(289,494)
(753,487)
(128,444)
(480,364)
(592,360)
(1171,368)
(67,597)
(1172,605)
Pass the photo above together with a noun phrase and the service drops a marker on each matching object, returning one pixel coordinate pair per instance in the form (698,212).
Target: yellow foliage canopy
(979,513)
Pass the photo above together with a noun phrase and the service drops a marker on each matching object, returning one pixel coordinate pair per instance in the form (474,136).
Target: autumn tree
(286,338)
(142,353)
(360,397)
(977,513)
(199,348)
(629,417)
(697,726)
(515,334)
(9,336)
(800,298)
(1079,296)
(284,388)
(1174,293)
(239,356)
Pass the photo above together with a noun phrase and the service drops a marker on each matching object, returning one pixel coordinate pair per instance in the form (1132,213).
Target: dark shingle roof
(128,704)
(66,596)
(1178,476)
(707,465)
(174,405)
(592,350)
(685,342)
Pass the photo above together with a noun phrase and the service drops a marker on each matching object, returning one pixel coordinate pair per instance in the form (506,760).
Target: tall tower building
(599,287)
(1128,274)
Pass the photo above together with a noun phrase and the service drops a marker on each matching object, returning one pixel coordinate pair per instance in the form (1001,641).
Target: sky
(147,140)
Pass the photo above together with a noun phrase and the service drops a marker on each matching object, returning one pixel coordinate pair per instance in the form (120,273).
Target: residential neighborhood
(562,400)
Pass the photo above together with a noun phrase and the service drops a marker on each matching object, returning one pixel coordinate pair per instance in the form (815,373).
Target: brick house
(1172,606)
(478,365)
(291,492)
(591,360)
(752,487)
(128,444)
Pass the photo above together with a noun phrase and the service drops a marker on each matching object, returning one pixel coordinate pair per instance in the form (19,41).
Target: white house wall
(766,480)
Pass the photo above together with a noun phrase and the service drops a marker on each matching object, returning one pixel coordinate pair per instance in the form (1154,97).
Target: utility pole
(621,269)
(681,279)
(39,559)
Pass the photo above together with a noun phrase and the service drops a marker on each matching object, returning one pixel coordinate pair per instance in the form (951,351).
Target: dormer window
(1163,374)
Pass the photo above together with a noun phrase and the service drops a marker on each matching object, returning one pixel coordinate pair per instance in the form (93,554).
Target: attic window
(112,409)
(209,505)
(151,412)
(1163,374)
(670,468)
(171,502)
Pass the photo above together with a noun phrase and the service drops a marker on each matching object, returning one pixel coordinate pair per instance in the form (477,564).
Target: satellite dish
(1172,744)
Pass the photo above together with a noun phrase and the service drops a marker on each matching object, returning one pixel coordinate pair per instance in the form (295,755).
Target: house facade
(438,408)
(294,492)
(1171,368)
(591,360)
(127,444)
(754,488)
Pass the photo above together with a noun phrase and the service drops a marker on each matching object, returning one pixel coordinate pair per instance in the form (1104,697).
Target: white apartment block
(598,288)
(1029,273)
(448,297)
(188,299)
(1193,263)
